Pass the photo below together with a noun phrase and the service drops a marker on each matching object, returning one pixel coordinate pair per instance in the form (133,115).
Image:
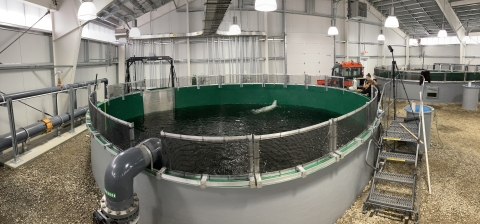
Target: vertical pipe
(11,119)
(334,36)
(359,40)
(265,25)
(284,38)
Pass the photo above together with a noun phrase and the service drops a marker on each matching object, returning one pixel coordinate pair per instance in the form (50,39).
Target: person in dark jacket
(367,89)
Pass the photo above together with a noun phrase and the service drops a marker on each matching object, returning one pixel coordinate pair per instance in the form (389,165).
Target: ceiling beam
(464,2)
(452,18)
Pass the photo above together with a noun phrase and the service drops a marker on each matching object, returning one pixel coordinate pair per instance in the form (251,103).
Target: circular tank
(312,190)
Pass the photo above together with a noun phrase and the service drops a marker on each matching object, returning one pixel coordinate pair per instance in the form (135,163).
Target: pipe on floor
(38,128)
(125,166)
(37,92)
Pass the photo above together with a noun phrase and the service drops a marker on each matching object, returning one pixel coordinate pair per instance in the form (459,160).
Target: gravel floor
(454,169)
(59,187)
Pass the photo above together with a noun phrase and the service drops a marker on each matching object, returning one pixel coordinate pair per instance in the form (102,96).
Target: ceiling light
(332,31)
(442,33)
(134,31)
(234,28)
(266,5)
(381,37)
(392,21)
(87,11)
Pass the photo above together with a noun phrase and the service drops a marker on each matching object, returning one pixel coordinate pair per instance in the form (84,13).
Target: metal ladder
(406,208)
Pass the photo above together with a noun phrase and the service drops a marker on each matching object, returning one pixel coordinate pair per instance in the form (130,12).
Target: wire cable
(48,12)
(43,112)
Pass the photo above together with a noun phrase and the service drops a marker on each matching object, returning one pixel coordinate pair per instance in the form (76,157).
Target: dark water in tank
(231,158)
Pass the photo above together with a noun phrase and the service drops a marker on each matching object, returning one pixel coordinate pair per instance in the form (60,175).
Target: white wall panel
(294,5)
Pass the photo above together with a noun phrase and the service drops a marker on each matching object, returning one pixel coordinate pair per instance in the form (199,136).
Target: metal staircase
(394,137)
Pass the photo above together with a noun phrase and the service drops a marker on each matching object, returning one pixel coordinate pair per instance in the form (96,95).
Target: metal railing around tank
(435,75)
(118,132)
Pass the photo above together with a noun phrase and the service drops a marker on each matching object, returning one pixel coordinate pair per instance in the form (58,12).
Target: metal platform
(396,132)
(395,177)
(393,201)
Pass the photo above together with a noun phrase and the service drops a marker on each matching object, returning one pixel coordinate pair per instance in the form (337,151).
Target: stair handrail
(366,156)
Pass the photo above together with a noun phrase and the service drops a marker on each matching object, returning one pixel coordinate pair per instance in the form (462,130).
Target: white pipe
(425,144)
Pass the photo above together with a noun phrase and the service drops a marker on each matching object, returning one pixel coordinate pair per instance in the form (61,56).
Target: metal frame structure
(69,89)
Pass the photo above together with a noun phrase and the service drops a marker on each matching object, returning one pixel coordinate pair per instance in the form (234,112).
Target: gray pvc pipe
(37,128)
(125,166)
(37,92)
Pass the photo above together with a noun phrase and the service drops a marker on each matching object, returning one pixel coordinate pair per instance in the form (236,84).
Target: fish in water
(266,109)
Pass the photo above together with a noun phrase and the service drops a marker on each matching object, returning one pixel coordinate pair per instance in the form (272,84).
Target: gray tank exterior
(428,121)
(321,197)
(470,97)
(448,92)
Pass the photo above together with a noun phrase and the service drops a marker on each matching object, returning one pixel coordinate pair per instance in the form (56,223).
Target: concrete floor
(58,187)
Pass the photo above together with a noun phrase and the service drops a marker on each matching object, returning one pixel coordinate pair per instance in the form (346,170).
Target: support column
(188,43)
(121,63)
(359,53)
(66,38)
(265,26)
(347,41)
(462,52)
(407,52)
(284,37)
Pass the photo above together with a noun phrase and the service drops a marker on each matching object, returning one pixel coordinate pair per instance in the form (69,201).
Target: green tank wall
(334,100)
(124,109)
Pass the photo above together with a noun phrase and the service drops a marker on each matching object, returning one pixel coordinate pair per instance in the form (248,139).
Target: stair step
(395,177)
(396,132)
(398,157)
(393,201)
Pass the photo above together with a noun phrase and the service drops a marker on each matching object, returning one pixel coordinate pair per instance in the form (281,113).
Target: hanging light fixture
(443,33)
(265,5)
(235,28)
(333,29)
(87,11)
(381,37)
(134,31)
(392,21)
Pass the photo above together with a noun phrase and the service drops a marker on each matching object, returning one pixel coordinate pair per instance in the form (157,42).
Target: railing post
(251,168)
(241,80)
(306,81)
(11,119)
(333,135)
(285,81)
(263,80)
(367,110)
(326,83)
(55,110)
(124,85)
(132,134)
(219,80)
(256,161)
(72,114)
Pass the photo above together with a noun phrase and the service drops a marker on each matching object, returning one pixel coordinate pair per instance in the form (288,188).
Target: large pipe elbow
(125,166)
